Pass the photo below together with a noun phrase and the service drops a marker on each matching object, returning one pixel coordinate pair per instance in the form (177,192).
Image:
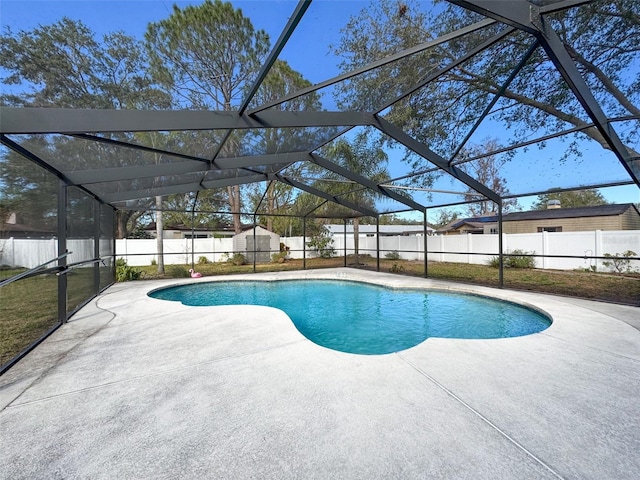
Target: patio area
(134,387)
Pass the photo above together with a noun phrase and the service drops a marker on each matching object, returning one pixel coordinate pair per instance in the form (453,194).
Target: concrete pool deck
(134,387)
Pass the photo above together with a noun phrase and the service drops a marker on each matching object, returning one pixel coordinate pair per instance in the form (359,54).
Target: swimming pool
(362,318)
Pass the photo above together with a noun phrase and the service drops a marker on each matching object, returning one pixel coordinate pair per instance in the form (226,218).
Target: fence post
(598,248)
(469,248)
(545,249)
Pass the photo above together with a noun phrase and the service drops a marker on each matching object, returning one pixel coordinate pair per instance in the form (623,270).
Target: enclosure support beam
(14,120)
(517,13)
(193,228)
(558,54)
(497,96)
(148,193)
(364,181)
(500,248)
(293,22)
(424,234)
(304,243)
(345,241)
(377,244)
(421,149)
(116,174)
(96,247)
(113,230)
(62,249)
(525,16)
(377,64)
(254,243)
(326,196)
(135,146)
(181,188)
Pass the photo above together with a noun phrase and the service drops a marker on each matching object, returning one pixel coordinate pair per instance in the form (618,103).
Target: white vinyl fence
(478,249)
(176,251)
(31,252)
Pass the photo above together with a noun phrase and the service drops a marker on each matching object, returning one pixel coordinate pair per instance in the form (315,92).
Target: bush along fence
(603,251)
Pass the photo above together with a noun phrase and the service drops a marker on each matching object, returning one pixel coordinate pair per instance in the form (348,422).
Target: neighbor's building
(555,219)
(385,230)
(603,217)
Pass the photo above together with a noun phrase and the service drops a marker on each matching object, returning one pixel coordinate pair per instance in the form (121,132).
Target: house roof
(19,227)
(182,227)
(384,229)
(577,212)
(473,221)
(597,211)
(473,224)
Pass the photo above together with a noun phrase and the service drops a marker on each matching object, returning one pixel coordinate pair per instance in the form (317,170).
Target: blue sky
(132,17)
(307,52)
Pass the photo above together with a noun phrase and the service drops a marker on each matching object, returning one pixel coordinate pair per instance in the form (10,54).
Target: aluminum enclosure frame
(527,16)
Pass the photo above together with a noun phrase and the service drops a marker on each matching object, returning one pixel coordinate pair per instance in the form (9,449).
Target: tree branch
(604,79)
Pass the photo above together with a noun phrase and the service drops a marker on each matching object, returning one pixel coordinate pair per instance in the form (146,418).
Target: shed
(266,243)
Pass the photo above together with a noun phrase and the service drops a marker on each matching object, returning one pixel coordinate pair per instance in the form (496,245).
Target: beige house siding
(630,220)
(606,217)
(611,222)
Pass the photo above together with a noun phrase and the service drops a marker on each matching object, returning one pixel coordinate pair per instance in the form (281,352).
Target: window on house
(549,229)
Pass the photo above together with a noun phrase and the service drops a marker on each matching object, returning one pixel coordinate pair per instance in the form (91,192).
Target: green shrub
(494,262)
(516,259)
(203,260)
(392,255)
(177,271)
(322,242)
(520,259)
(154,262)
(237,259)
(395,268)
(279,257)
(125,273)
(620,262)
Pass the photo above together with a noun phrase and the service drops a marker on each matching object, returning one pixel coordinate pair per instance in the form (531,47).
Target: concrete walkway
(135,387)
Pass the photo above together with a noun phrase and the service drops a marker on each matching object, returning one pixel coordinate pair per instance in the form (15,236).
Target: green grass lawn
(28,307)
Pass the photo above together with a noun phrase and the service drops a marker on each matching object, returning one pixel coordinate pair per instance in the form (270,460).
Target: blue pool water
(367,319)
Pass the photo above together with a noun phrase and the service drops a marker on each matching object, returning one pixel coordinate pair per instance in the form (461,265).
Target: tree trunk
(234,203)
(159,236)
(121,224)
(270,208)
